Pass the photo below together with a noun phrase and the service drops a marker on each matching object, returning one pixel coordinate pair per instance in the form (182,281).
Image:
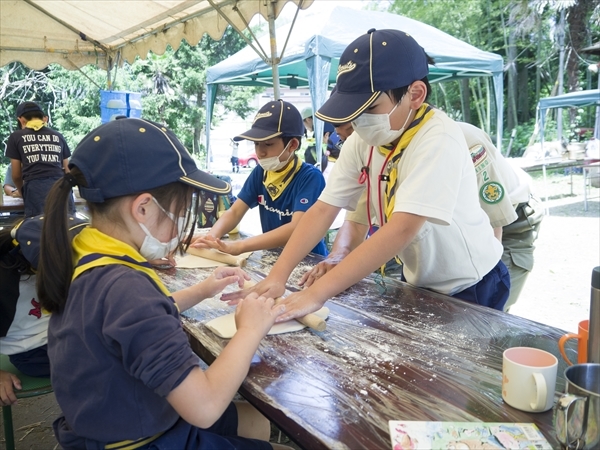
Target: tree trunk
(511,114)
(465,100)
(523,99)
(577,19)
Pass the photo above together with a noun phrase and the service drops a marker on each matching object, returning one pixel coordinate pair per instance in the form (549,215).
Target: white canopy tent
(74,33)
(311,56)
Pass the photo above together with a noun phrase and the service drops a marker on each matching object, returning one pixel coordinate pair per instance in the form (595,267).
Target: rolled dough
(224,326)
(208,257)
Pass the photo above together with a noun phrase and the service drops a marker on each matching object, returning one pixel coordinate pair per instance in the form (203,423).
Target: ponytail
(55,267)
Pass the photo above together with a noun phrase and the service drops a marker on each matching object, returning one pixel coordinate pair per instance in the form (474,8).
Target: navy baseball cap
(28,232)
(28,107)
(128,156)
(276,118)
(376,62)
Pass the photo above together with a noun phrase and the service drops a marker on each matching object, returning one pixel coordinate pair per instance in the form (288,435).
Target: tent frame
(319,53)
(570,100)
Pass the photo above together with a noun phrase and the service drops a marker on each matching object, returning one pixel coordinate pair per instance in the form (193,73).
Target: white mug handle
(541,392)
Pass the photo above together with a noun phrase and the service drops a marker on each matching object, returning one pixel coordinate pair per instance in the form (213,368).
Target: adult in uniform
(505,196)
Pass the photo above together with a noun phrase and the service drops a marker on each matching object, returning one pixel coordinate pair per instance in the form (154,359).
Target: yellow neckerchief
(276,182)
(424,113)
(35,124)
(92,248)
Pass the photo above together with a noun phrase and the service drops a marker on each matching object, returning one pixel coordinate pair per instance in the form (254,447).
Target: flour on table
(224,326)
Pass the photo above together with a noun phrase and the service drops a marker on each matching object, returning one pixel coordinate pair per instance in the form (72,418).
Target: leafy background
(525,32)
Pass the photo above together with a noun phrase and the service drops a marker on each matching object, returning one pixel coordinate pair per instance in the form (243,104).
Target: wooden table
(389,353)
(12,209)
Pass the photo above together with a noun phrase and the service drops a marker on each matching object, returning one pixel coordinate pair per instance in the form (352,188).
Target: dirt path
(557,291)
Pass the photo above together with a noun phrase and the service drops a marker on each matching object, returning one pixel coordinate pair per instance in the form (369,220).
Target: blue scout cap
(28,234)
(28,107)
(328,128)
(376,62)
(128,156)
(276,118)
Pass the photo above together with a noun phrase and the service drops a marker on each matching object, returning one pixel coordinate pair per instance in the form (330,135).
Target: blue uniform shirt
(302,192)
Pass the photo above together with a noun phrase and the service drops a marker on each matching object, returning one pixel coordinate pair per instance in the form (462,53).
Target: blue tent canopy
(311,57)
(570,100)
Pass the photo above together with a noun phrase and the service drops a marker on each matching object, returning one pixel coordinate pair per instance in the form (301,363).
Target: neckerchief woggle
(276,182)
(92,248)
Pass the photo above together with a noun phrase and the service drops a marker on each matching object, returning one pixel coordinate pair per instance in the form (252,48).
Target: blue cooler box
(120,103)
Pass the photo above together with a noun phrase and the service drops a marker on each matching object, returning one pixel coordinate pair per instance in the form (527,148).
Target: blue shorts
(491,291)
(220,436)
(34,363)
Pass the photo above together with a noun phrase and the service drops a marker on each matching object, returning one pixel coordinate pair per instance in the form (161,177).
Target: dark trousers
(235,164)
(34,195)
(34,363)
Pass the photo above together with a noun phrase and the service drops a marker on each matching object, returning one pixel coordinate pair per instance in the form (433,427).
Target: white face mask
(273,164)
(152,248)
(376,129)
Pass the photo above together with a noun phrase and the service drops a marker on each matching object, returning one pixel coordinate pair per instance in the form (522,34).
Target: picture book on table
(408,435)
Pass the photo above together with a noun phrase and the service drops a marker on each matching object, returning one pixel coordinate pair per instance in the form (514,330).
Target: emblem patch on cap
(345,68)
(492,192)
(263,115)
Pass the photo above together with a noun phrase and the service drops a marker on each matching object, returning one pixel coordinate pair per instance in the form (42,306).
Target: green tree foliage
(524,32)
(172,87)
(175,87)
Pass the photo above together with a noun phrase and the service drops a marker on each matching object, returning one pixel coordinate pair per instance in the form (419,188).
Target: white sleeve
(343,188)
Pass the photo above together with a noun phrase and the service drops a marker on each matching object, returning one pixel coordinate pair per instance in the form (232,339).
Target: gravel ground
(557,291)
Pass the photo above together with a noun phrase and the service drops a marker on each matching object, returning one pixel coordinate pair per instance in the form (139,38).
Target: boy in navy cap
(282,186)
(39,157)
(414,163)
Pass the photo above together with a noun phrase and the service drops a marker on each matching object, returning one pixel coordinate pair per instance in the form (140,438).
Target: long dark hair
(56,260)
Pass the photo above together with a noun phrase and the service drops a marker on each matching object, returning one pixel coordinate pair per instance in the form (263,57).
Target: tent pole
(274,60)
(108,69)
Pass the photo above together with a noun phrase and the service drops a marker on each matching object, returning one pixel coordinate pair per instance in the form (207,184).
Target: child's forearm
(202,397)
(311,228)
(227,222)
(271,239)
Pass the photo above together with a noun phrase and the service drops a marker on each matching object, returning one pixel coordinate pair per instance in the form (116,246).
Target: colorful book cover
(466,436)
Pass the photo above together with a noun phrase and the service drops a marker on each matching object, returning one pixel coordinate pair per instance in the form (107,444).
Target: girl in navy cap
(415,166)
(122,369)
